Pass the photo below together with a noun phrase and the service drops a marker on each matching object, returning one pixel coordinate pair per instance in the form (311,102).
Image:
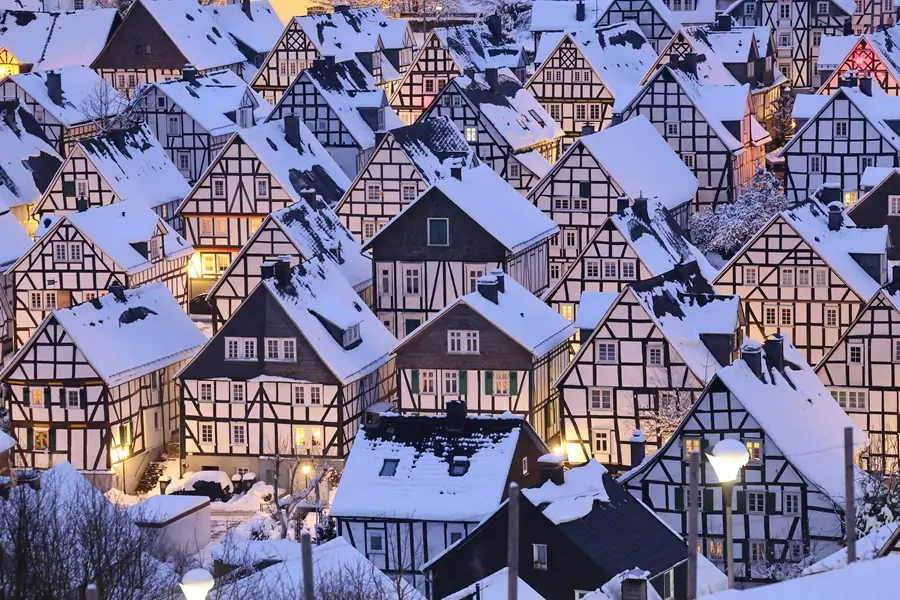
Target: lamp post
(727,459)
(196,583)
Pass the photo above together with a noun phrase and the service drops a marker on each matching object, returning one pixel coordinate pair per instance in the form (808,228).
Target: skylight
(389,467)
(459,467)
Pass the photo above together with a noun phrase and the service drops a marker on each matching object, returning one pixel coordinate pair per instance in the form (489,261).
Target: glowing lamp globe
(196,583)
(727,459)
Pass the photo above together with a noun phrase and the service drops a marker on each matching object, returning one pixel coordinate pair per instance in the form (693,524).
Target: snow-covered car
(215,485)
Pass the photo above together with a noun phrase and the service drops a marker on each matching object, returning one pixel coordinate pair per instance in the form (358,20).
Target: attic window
(389,467)
(351,335)
(459,466)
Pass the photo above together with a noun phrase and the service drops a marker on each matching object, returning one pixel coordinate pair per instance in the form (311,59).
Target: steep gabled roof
(833,49)
(16,241)
(28,163)
(80,86)
(434,146)
(47,40)
(259,31)
(475,47)
(562,15)
(25,33)
(348,31)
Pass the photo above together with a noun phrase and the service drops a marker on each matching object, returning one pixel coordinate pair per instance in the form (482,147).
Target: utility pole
(512,546)
(849,495)
(306,559)
(693,513)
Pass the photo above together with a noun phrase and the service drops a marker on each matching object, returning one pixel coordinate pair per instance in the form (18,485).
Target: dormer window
(389,467)
(351,335)
(155,249)
(459,466)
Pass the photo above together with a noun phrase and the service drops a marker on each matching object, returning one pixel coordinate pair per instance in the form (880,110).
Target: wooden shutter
(48,398)
(30,437)
(26,396)
(488,383)
(584,189)
(62,397)
(414,381)
(770,503)
(83,393)
(645,493)
(741,505)
(704,446)
(462,383)
(52,442)
(708,499)
(679,498)
(513,383)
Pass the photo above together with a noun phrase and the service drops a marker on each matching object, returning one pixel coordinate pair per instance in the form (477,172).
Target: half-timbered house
(27,163)
(122,164)
(415,485)
(788,501)
(874,54)
(600,174)
(711,127)
(365,34)
(559,16)
(79,256)
(194,116)
(872,15)
(157,38)
(292,372)
(498,349)
(448,52)
(260,170)
(68,103)
(644,363)
(296,233)
(728,54)
(16,242)
(254,27)
(799,27)
(436,248)
(582,74)
(107,403)
(839,137)
(880,206)
(340,104)
(404,163)
(807,273)
(631,245)
(504,124)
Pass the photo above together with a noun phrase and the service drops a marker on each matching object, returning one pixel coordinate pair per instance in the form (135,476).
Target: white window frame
(412,281)
(829,310)
(428,382)
(610,352)
(841,129)
(540,557)
(237,392)
(788,499)
(751,276)
(245,349)
(820,277)
(501,383)
(757,551)
(604,398)
(463,341)
(627,269)
(207,428)
(893,206)
(377,534)
(652,349)
(815,163)
(446,222)
(206,392)
(235,427)
(852,347)
(756,502)
(787,277)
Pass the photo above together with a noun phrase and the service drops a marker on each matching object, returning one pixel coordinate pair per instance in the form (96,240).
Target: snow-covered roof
(473,46)
(25,33)
(867,548)
(421,486)
(625,150)
(535,162)
(164,508)
(136,166)
(348,31)
(807,105)
(81,88)
(619,54)
(210,98)
(7,442)
(872,176)
(47,40)
(192,29)
(833,49)
(435,146)
(496,586)
(318,293)
(307,167)
(810,219)
(684,307)
(510,109)
(872,579)
(32,5)
(575,498)
(16,241)
(562,15)
(129,335)
(115,227)
(28,163)
(797,412)
(259,31)
(884,42)
(592,306)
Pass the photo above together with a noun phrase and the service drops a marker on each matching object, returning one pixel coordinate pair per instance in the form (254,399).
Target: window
(784,39)
(555,111)
(514,170)
(262,187)
(893,206)
(206,392)
(375,542)
(754,449)
(610,269)
(817,38)
(865,162)
(795,551)
(715,549)
(784,10)
(673,128)
(592,269)
(281,349)
(756,502)
(408,193)
(786,316)
(785,68)
(451,383)
(539,554)
(554,271)
(184,161)
(67,251)
(218,185)
(750,276)
(601,443)
(240,348)
(41,439)
(438,232)
(580,112)
(757,551)
(803,277)
(601,399)
(474,274)
(628,269)
(841,128)
(787,277)
(606,352)
(239,434)
(831,316)
(81,188)
(849,198)
(501,383)
(322,125)
(429,86)
(459,467)
(388,467)
(471,134)
(173,125)
(594,110)
(462,342)
(815,164)
(688,160)
(299,395)
(691,445)
(315,397)
(820,277)
(855,354)
(206,433)
(426,382)
(654,355)
(412,281)
(855,399)
(373,192)
(238,395)
(351,335)
(823,8)
(791,503)
(73,398)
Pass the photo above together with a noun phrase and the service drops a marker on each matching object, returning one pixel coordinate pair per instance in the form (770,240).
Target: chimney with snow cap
(456,416)
(622,203)
(638,446)
(267,270)
(774,349)
(640,208)
(500,276)
(634,586)
(829,193)
(579,11)
(189,73)
(282,270)
(551,469)
(835,216)
(487,287)
(587,129)
(751,354)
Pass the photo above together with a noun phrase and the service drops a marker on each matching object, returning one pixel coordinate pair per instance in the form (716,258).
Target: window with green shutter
(462,383)
(488,383)
(414,381)
(513,383)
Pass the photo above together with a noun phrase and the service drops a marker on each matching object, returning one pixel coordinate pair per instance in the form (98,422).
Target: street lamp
(727,459)
(196,583)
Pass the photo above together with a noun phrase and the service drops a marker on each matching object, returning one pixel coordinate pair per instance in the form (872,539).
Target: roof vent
(487,287)
(459,466)
(389,467)
(579,11)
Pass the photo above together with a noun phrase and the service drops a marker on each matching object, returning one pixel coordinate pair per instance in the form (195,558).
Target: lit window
(601,399)
(754,448)
(41,439)
(849,198)
(501,383)
(426,382)
(606,352)
(715,549)
(37,397)
(471,134)
(692,445)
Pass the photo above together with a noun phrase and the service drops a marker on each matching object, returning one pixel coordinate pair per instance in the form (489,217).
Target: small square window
(750,276)
(375,542)
(673,129)
(438,232)
(654,355)
(855,354)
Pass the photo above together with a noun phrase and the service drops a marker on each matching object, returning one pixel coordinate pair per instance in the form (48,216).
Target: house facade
(873,54)
(878,208)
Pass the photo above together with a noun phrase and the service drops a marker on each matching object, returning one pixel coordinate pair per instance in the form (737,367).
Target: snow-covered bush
(724,231)
(879,505)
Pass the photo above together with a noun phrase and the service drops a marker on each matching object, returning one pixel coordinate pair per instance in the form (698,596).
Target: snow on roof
(575,498)
(189,479)
(473,46)
(77,38)
(685,307)
(435,146)
(872,176)
(297,169)
(343,33)
(195,33)
(592,307)
(160,509)
(867,548)
(394,33)
(129,335)
(810,219)
(798,414)
(561,15)
(705,11)
(807,105)
(28,163)
(619,54)
(7,442)
(510,109)
(115,227)
(872,579)
(16,241)
(625,150)
(880,110)
(30,5)
(421,486)
(318,295)
(833,49)
(259,32)
(535,162)
(612,589)
(496,586)
(79,86)
(136,166)
(25,33)
(209,98)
